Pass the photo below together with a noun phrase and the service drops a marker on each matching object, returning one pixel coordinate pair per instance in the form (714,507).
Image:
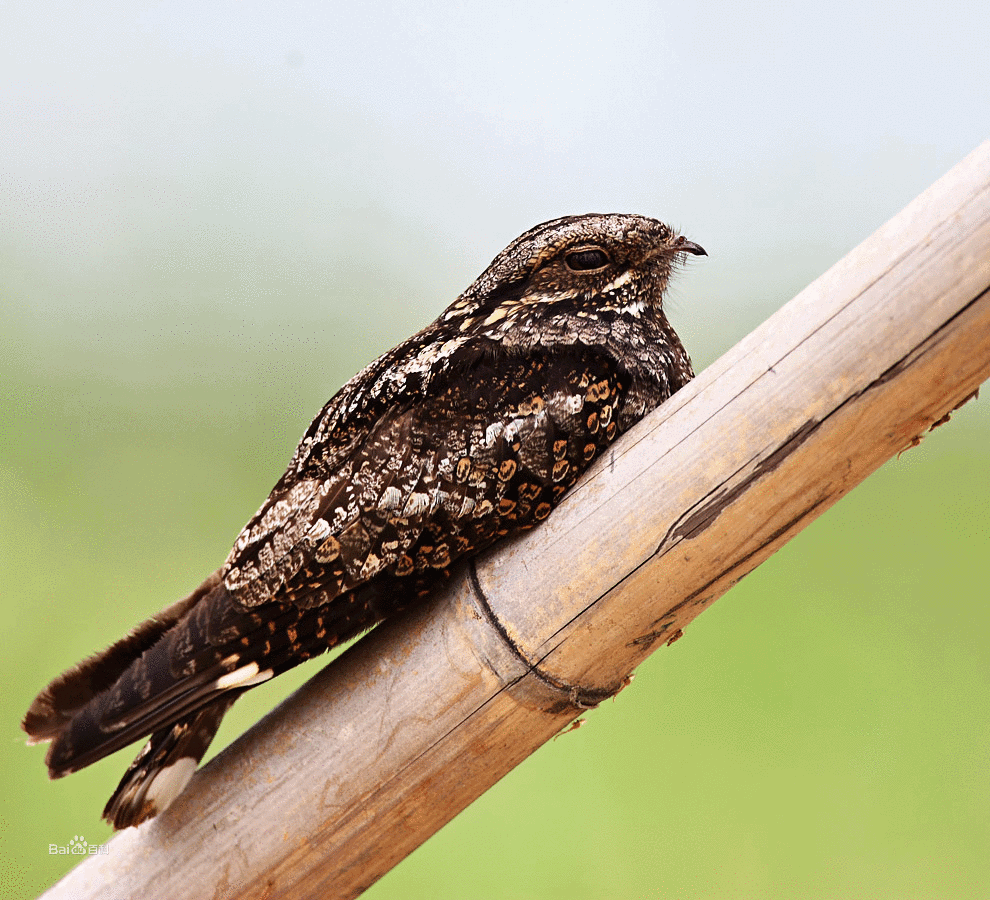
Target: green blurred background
(210,218)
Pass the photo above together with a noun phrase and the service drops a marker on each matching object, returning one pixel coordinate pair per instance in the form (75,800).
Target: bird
(469,431)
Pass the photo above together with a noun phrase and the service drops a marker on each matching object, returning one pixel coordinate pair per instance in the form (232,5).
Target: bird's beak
(685,246)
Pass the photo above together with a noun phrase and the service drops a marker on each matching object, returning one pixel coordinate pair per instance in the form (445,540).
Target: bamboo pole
(414,722)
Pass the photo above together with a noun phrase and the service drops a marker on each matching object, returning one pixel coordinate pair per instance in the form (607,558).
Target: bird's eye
(587,259)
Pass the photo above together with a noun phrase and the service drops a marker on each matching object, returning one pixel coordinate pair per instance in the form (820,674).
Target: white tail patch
(245,676)
(168,784)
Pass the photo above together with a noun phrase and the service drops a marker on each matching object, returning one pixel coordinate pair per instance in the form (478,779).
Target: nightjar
(470,430)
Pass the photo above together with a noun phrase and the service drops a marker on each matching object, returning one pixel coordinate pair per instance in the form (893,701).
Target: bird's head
(587,265)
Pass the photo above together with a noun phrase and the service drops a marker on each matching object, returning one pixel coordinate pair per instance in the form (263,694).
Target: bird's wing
(495,438)
(489,452)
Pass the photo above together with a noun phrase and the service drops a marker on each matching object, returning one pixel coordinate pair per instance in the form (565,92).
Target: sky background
(211,216)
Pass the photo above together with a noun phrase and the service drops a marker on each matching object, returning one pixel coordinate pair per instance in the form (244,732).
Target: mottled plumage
(470,430)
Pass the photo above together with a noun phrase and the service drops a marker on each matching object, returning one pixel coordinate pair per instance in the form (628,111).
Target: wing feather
(488,452)
(426,466)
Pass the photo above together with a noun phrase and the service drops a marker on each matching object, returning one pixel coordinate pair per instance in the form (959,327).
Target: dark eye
(587,260)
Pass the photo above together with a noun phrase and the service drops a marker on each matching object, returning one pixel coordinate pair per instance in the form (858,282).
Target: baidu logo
(78,846)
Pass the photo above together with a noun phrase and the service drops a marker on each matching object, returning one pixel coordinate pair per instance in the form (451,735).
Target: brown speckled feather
(471,430)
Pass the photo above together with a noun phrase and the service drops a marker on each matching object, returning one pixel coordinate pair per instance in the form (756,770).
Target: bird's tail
(56,706)
(174,677)
(164,766)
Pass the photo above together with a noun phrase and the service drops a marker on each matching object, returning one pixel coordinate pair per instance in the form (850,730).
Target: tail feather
(215,649)
(176,675)
(191,664)
(164,766)
(57,704)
